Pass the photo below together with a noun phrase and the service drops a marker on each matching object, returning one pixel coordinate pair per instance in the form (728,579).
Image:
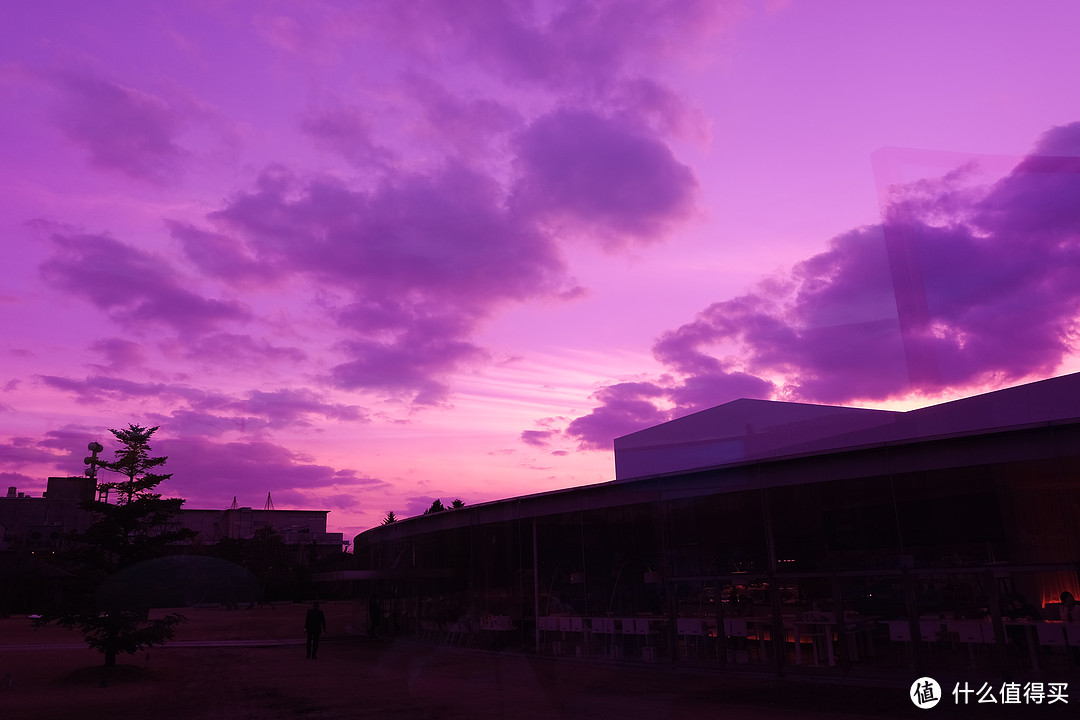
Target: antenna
(234,505)
(91,471)
(269,503)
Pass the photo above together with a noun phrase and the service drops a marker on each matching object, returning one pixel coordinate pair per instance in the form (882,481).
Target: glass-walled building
(775,536)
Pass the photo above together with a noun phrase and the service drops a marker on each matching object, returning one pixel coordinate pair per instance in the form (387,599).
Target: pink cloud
(207,472)
(134,286)
(659,107)
(425,259)
(954,289)
(201,412)
(284,32)
(347,131)
(326,498)
(123,129)
(22,451)
(414,258)
(563,46)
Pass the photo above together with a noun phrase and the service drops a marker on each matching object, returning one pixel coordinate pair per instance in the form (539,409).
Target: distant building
(295,527)
(42,524)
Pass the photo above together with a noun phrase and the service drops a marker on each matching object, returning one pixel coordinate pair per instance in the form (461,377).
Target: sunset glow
(365,255)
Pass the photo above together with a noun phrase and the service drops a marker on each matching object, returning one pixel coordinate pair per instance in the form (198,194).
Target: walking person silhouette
(314,625)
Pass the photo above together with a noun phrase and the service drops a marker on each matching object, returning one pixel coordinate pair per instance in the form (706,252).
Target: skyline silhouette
(363,258)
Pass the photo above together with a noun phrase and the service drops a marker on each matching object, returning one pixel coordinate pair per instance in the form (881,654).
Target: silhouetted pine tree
(139,525)
(136,526)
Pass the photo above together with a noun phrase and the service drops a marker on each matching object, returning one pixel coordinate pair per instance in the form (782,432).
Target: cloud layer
(959,287)
(360,245)
(340,242)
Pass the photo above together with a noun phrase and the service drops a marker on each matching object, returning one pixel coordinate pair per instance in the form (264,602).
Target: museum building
(775,536)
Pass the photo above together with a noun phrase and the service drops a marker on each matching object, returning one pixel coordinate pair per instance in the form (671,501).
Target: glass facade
(945,555)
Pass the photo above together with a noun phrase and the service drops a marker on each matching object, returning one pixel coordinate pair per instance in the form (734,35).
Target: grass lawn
(53,676)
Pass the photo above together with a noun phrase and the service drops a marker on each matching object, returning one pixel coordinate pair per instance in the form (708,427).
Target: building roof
(746,430)
(678,458)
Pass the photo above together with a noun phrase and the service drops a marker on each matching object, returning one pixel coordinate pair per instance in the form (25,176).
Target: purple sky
(363,255)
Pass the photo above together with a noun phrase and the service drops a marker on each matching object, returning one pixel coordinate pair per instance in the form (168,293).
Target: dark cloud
(414,256)
(411,364)
(16,480)
(122,128)
(239,350)
(613,179)
(1036,203)
(213,472)
(624,408)
(627,407)
(134,286)
(288,406)
(98,388)
(221,256)
(467,127)
(205,413)
(425,259)
(190,423)
(69,445)
(119,354)
(443,237)
(346,131)
(959,287)
(657,107)
(22,451)
(411,258)
(699,392)
(537,438)
(570,47)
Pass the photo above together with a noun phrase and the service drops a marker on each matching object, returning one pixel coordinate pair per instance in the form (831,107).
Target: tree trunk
(111,644)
